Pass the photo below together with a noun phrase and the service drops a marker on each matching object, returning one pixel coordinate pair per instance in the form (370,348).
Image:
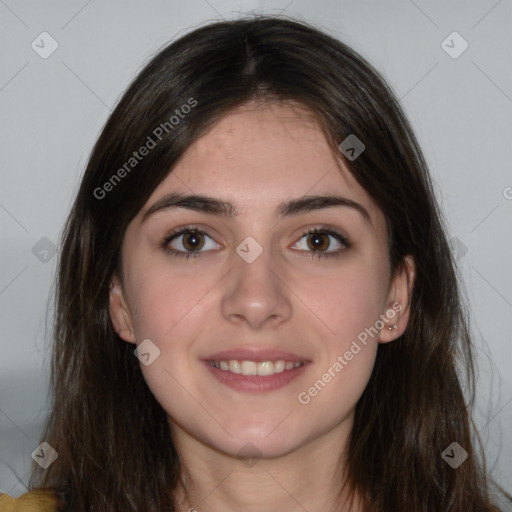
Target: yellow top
(33,501)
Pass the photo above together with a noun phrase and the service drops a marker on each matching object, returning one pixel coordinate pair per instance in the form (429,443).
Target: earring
(391,327)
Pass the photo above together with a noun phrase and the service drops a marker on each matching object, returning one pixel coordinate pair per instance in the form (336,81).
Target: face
(259,281)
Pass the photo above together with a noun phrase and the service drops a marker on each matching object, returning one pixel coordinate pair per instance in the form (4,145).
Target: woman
(257,308)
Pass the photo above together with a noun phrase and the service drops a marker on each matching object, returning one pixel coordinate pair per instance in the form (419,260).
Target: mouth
(255,376)
(255,369)
(260,368)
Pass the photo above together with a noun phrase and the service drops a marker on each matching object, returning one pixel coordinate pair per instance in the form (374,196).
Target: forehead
(261,154)
(276,140)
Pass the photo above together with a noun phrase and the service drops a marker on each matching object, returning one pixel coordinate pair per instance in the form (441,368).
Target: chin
(256,446)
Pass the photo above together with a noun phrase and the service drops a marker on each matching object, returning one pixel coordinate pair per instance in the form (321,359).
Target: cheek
(163,303)
(346,308)
(170,313)
(345,303)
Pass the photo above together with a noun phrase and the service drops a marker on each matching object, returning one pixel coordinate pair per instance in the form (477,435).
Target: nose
(256,292)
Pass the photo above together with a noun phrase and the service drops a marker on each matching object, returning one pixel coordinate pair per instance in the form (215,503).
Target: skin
(256,157)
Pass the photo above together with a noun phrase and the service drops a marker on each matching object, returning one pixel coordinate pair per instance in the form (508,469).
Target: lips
(256,383)
(236,368)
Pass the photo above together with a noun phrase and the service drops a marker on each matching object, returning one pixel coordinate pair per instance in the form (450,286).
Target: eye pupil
(317,244)
(195,238)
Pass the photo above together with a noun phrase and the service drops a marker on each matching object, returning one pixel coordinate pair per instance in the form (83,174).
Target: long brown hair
(113,439)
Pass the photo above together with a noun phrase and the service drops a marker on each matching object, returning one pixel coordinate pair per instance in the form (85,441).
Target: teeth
(234,366)
(255,368)
(279,366)
(248,368)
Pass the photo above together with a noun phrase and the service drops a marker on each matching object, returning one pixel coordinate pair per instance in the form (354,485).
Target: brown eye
(193,241)
(318,242)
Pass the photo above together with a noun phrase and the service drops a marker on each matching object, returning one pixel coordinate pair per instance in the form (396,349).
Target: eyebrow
(221,208)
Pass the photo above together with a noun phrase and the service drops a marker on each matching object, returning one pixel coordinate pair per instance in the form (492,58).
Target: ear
(119,313)
(397,310)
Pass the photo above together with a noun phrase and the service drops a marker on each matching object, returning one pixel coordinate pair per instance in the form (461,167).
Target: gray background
(53,109)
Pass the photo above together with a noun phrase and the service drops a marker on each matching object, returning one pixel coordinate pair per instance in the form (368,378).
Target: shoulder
(40,500)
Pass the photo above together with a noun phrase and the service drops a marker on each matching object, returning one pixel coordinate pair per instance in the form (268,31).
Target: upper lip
(254,354)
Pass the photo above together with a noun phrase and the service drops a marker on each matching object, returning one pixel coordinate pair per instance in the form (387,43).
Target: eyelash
(195,230)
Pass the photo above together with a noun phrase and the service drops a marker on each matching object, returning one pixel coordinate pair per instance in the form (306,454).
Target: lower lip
(256,383)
